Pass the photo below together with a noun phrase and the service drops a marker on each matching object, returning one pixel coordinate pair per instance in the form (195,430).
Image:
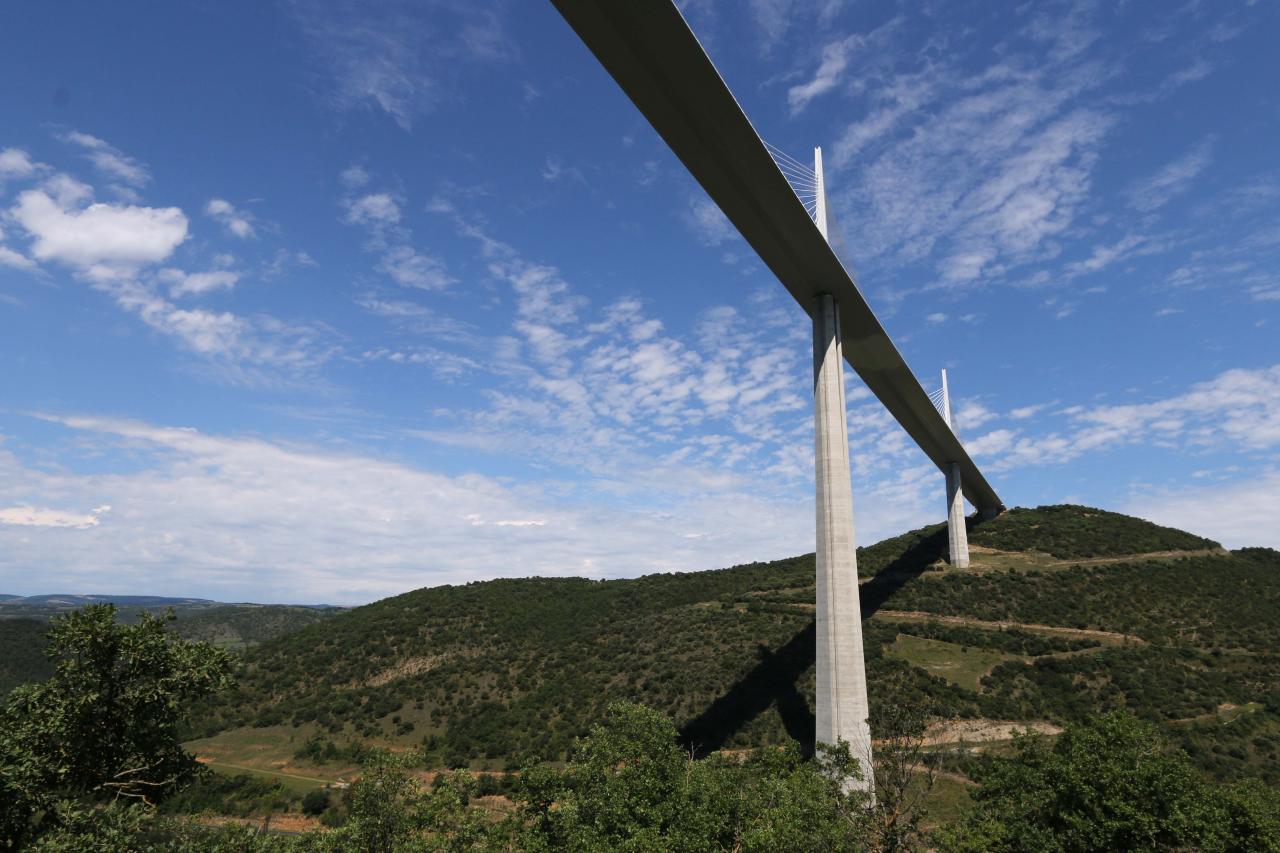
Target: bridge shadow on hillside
(773,681)
(908,566)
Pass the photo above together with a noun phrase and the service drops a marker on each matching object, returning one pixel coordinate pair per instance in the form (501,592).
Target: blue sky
(307,301)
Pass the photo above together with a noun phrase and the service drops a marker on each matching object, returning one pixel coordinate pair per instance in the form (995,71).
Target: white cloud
(985,182)
(972,170)
(412,269)
(1237,410)
(446,366)
(1024,412)
(373,209)
(572,378)
(111,245)
(835,59)
(238,518)
(15,260)
(903,95)
(16,163)
(773,19)
(29,516)
(205,332)
(101,239)
(398,57)
(1154,192)
(1105,256)
(993,443)
(235,221)
(187,284)
(379,213)
(67,191)
(1238,514)
(971,415)
(109,160)
(354,177)
(708,222)
(936,317)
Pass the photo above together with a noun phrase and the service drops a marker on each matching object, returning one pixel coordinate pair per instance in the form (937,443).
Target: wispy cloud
(1238,409)
(975,171)
(234,517)
(1174,178)
(1131,245)
(197,283)
(110,161)
(29,516)
(15,260)
(1238,513)
(555,170)
(16,163)
(707,222)
(396,56)
(380,214)
(116,247)
(235,221)
(833,62)
(410,268)
(835,59)
(375,209)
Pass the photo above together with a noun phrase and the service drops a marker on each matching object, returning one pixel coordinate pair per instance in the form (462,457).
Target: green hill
(1065,611)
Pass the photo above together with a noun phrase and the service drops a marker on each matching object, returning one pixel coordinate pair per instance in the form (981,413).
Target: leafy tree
(105,725)
(315,802)
(381,805)
(1111,784)
(390,810)
(629,786)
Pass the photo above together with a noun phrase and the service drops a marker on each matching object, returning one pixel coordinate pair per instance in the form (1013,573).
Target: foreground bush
(1111,784)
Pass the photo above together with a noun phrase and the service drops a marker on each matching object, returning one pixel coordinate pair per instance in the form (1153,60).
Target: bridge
(779,206)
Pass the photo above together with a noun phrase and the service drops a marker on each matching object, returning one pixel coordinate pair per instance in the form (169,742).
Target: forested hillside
(1065,611)
(24,622)
(237,626)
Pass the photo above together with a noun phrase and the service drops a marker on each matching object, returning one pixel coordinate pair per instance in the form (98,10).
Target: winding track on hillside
(1089,633)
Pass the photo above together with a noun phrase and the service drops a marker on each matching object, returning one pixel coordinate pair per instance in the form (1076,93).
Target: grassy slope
(503,671)
(962,665)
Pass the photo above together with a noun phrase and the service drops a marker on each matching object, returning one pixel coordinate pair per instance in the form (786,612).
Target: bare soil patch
(979,731)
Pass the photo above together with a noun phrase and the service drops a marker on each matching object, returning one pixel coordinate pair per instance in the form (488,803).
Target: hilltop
(1064,612)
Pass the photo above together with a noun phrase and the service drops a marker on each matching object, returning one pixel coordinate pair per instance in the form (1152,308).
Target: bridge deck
(653,55)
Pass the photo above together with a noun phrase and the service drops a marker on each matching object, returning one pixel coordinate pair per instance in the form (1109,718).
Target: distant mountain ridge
(72,601)
(69,600)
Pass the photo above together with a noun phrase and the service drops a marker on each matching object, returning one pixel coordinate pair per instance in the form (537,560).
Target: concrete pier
(841,673)
(957,535)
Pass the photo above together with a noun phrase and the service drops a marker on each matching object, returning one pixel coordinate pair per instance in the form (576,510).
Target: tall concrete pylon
(957,535)
(841,700)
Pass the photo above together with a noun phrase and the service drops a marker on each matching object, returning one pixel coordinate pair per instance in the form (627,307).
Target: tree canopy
(105,724)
